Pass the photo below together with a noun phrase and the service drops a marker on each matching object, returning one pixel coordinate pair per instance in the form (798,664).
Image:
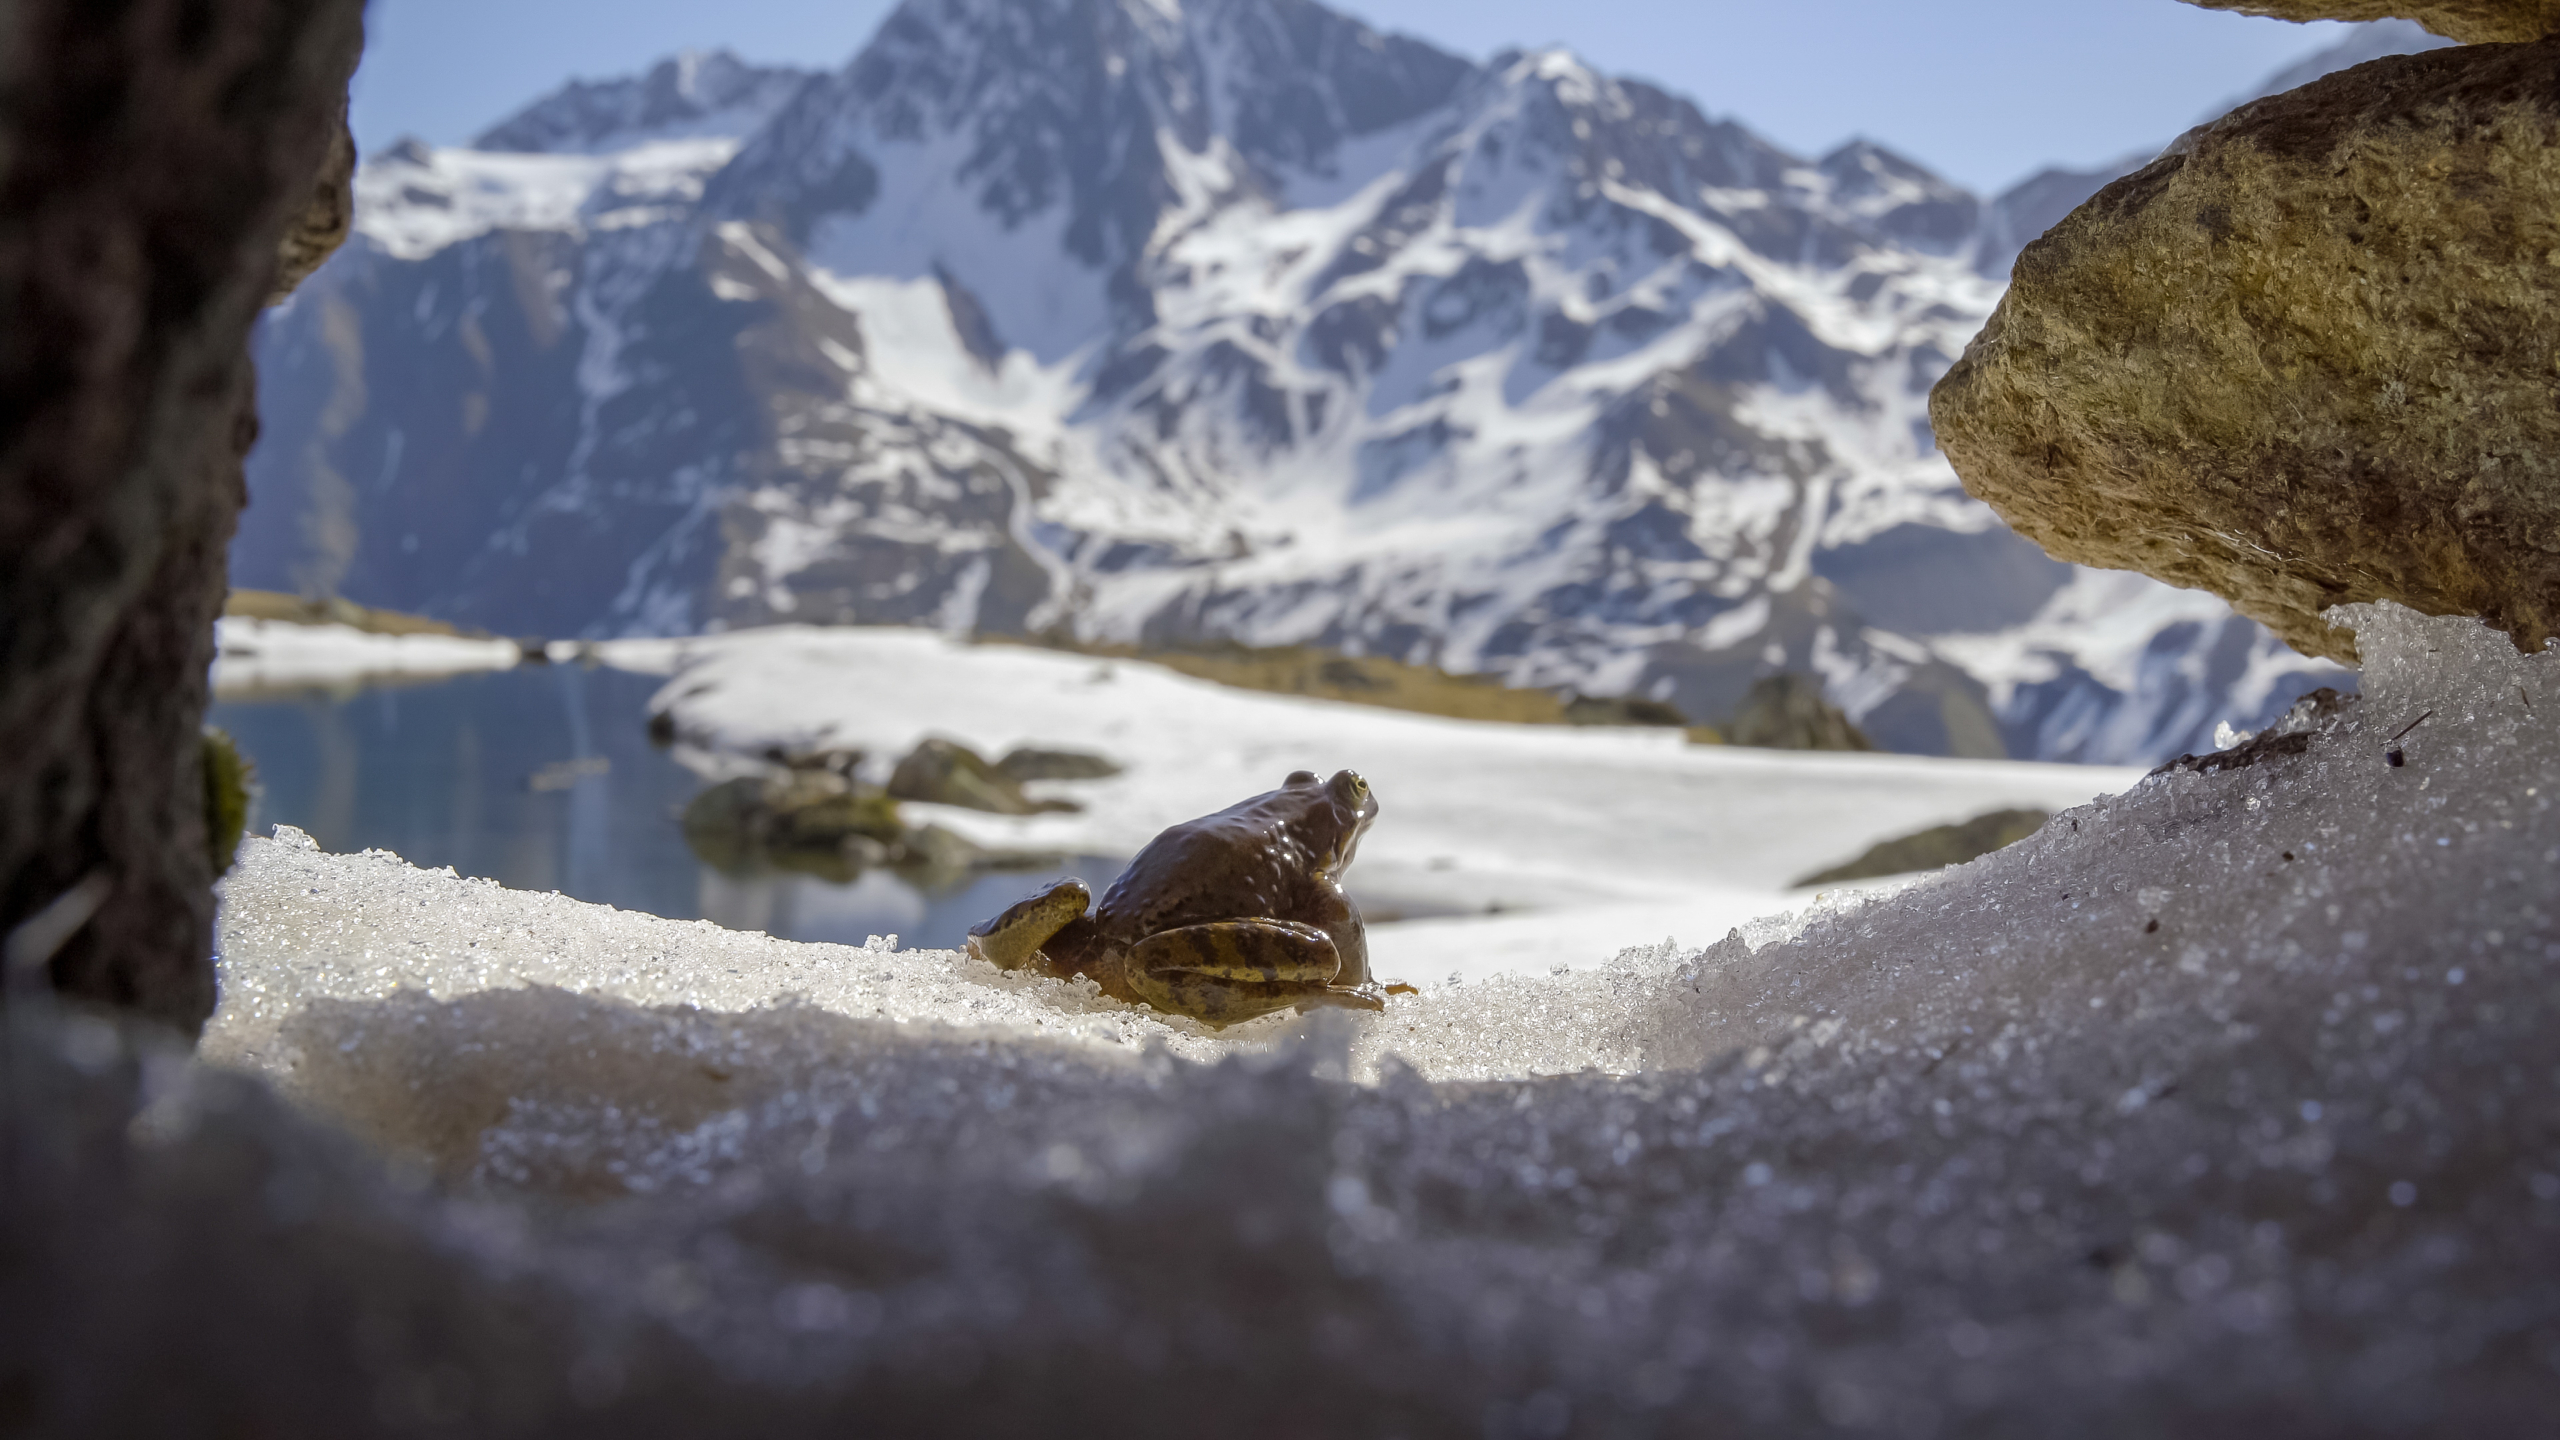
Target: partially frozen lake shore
(2228,1095)
(1535,844)
(254,656)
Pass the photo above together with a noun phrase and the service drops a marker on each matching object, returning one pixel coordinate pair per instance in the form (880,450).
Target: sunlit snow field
(1581,841)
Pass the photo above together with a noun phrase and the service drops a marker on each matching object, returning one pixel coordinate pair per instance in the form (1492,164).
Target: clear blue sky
(1985,91)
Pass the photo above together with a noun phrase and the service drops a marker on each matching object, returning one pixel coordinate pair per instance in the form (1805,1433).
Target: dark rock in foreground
(157,184)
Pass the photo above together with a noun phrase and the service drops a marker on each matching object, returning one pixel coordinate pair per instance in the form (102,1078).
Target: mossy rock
(1027,762)
(806,817)
(230,784)
(1623,710)
(943,772)
(801,823)
(1937,847)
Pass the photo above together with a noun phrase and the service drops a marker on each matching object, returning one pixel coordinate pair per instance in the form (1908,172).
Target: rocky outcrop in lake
(1787,712)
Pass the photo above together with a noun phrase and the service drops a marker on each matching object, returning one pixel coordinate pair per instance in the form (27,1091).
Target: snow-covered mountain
(1221,318)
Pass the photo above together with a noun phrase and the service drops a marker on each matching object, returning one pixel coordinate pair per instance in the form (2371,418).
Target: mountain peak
(1863,161)
(694,94)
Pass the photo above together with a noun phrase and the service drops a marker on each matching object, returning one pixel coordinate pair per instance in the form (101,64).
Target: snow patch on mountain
(414,202)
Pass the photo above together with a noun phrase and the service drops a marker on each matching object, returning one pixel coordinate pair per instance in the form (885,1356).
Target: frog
(1225,918)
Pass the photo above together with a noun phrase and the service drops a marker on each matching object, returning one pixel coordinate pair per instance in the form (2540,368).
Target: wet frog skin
(1223,918)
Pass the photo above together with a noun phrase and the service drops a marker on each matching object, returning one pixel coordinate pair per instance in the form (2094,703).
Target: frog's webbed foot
(1012,940)
(1234,970)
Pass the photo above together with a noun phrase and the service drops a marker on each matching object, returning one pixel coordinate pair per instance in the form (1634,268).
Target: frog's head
(1340,814)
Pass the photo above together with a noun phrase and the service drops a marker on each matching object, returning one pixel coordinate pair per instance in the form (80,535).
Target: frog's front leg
(1012,940)
(1233,970)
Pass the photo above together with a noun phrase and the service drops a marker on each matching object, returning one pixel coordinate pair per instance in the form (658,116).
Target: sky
(1984,91)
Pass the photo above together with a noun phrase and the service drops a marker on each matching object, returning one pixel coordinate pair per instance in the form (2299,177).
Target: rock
(2473,22)
(1623,710)
(153,159)
(795,816)
(1787,712)
(819,823)
(1024,763)
(230,787)
(941,772)
(1936,847)
(326,219)
(2307,357)
(843,763)
(933,848)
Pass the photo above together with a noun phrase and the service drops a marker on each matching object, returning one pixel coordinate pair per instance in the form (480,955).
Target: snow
(2226,1096)
(416,202)
(252,656)
(1635,832)
(2110,626)
(929,213)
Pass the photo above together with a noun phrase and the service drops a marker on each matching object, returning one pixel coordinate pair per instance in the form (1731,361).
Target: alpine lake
(543,778)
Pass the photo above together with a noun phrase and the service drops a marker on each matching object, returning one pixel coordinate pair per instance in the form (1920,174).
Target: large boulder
(2308,356)
(154,157)
(2473,22)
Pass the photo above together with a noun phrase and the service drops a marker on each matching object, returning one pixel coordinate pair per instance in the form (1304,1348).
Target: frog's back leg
(1012,940)
(1233,970)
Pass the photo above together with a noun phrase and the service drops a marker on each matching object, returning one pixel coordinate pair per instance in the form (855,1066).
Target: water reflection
(541,778)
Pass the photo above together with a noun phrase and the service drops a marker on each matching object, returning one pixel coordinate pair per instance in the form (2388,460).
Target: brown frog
(1222,918)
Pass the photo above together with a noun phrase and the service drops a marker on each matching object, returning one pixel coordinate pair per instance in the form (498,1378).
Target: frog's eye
(1300,777)
(1355,789)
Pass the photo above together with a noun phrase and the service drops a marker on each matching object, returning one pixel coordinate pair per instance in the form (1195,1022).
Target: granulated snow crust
(2225,1103)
